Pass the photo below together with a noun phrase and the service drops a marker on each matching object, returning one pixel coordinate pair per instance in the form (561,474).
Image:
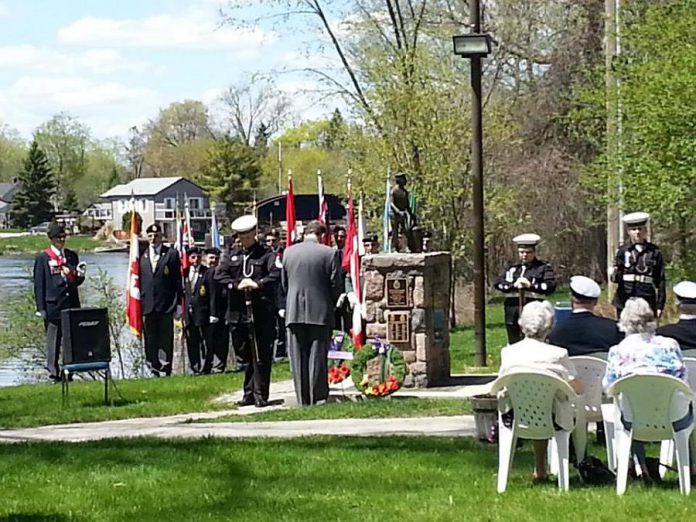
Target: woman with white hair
(534,353)
(642,351)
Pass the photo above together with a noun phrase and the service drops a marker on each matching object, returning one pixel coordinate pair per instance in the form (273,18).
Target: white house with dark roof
(156,201)
(7,192)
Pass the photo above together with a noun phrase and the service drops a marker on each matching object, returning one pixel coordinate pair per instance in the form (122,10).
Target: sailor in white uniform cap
(639,269)
(684,331)
(530,279)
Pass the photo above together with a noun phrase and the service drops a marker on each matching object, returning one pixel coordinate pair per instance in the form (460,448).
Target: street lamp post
(475,46)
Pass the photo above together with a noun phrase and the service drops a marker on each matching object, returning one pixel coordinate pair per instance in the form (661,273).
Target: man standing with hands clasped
(57,274)
(311,278)
(530,279)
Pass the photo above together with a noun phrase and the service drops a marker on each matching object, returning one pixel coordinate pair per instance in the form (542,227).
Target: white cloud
(45,60)
(197,27)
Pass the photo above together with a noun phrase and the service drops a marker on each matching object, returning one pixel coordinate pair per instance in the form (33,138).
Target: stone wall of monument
(407,303)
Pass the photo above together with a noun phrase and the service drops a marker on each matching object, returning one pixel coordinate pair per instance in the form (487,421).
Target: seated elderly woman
(533,353)
(642,351)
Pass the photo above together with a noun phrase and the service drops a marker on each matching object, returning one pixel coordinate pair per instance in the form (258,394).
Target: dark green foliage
(70,203)
(126,221)
(32,203)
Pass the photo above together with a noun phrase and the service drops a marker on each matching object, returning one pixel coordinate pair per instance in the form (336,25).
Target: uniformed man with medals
(530,279)
(196,315)
(57,274)
(639,269)
(214,294)
(251,276)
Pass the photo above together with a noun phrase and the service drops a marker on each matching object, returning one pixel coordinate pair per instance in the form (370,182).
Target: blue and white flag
(214,232)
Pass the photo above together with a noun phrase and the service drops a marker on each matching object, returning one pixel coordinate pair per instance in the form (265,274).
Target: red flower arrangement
(342,348)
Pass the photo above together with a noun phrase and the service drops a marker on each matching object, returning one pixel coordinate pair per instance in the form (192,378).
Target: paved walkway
(189,425)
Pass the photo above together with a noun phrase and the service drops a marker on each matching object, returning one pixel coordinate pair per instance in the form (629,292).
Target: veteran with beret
(196,312)
(57,274)
(639,269)
(529,279)
(585,333)
(161,296)
(684,330)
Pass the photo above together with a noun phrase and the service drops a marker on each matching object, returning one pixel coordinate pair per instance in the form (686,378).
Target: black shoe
(261,403)
(246,401)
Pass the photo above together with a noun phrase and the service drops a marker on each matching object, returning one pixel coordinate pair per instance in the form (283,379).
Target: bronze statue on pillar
(403,219)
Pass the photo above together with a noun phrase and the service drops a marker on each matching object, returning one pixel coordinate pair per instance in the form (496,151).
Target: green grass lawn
(41,404)
(462,343)
(328,478)
(364,409)
(34,244)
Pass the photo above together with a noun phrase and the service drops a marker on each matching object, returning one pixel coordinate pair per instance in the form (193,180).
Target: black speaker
(85,335)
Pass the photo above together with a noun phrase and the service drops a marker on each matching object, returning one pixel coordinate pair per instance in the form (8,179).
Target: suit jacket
(684,332)
(160,291)
(216,295)
(311,278)
(584,333)
(52,291)
(196,301)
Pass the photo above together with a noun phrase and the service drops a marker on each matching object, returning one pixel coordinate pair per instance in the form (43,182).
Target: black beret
(194,250)
(213,250)
(55,230)
(370,238)
(153,229)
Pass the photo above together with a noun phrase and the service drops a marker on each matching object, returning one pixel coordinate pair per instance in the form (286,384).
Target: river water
(15,276)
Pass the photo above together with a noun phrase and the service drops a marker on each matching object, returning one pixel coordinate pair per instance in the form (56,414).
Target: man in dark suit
(251,277)
(161,295)
(311,278)
(215,294)
(196,310)
(57,274)
(585,333)
(684,331)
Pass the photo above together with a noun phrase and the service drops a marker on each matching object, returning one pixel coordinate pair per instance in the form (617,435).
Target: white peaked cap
(636,218)
(584,287)
(686,291)
(526,240)
(244,224)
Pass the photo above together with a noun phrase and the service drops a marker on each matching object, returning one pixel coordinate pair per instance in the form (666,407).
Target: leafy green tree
(231,173)
(32,202)
(126,221)
(12,153)
(70,203)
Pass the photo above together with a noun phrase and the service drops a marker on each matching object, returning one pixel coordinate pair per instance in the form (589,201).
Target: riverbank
(19,245)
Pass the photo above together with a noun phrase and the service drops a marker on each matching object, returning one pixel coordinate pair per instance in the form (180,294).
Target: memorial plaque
(399,327)
(398,292)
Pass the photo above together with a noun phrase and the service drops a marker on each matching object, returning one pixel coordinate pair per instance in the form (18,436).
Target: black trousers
(159,342)
(257,377)
(217,347)
(54,337)
(195,345)
(279,344)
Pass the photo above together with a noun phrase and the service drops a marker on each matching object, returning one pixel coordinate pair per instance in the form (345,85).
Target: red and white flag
(323,210)
(133,304)
(290,212)
(351,264)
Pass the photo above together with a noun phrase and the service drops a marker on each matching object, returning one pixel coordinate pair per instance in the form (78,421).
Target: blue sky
(114,63)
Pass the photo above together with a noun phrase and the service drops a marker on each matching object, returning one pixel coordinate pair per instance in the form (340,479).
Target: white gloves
(281,313)
(214,319)
(247,283)
(178,312)
(81,269)
(41,313)
(610,272)
(522,282)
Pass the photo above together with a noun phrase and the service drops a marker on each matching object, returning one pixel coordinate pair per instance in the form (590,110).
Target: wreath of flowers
(339,369)
(392,368)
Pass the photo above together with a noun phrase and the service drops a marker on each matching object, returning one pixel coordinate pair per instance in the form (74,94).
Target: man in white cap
(252,272)
(530,279)
(585,333)
(684,331)
(639,269)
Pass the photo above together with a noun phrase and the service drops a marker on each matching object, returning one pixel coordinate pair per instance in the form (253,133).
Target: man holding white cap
(585,333)
(530,279)
(639,270)
(252,272)
(684,331)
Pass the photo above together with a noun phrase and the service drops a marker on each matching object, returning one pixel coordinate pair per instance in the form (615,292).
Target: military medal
(202,291)
(166,270)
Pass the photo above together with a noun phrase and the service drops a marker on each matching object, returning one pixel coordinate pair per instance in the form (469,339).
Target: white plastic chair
(647,400)
(531,395)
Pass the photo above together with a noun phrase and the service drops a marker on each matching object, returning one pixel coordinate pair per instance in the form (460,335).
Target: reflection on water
(15,275)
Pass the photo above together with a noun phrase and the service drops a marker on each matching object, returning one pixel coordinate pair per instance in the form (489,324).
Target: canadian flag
(133,304)
(351,264)
(290,212)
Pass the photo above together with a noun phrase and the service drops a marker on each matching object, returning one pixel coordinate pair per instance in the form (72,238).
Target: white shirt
(154,256)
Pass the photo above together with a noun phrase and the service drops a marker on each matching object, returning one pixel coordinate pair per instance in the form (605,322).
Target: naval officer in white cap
(585,333)
(684,331)
(530,279)
(252,271)
(639,269)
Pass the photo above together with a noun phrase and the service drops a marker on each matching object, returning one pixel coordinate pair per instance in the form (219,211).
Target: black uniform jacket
(684,332)
(260,265)
(53,291)
(196,298)
(639,273)
(215,295)
(161,291)
(584,333)
(543,282)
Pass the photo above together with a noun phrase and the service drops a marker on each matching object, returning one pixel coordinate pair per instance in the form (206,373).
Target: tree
(12,153)
(126,221)
(231,173)
(70,203)
(32,202)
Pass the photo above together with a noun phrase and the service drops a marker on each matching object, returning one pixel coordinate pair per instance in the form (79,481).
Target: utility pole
(612,130)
